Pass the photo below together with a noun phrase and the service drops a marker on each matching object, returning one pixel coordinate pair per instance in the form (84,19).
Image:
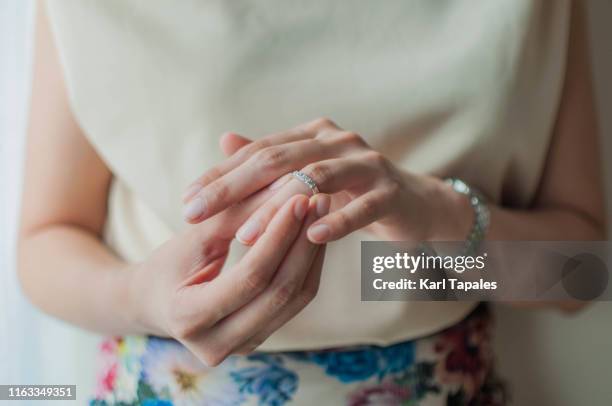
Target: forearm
(541,224)
(68,273)
(454,218)
(546,223)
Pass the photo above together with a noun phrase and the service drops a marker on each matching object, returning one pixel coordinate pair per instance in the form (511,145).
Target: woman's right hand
(181,292)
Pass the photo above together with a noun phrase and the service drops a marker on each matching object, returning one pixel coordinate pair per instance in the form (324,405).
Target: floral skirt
(452,367)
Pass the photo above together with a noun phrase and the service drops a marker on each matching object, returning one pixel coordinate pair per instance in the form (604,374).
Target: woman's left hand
(367,189)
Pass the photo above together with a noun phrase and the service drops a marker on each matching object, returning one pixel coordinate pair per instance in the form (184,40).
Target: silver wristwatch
(481,214)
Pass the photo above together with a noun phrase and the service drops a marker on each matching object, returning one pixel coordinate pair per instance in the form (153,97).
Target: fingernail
(249,231)
(191,191)
(319,232)
(194,209)
(300,209)
(323,206)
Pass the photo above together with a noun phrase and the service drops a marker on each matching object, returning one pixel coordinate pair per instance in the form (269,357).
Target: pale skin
(68,272)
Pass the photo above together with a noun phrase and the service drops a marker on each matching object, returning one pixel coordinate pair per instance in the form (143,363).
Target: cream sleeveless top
(467,88)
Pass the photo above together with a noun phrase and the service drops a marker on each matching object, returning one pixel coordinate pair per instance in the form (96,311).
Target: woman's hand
(367,189)
(181,292)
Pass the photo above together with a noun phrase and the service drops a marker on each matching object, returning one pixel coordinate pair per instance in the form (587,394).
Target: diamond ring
(307,180)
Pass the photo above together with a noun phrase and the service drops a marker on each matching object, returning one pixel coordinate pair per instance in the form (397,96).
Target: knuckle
(272,158)
(283,294)
(181,327)
(255,281)
(257,145)
(251,149)
(184,325)
(352,138)
(220,190)
(343,221)
(381,163)
(302,129)
(250,347)
(376,157)
(323,122)
(211,175)
(213,355)
(325,135)
(368,208)
(308,294)
(393,188)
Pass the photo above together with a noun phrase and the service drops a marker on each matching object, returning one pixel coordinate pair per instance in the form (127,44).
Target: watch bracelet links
(478,203)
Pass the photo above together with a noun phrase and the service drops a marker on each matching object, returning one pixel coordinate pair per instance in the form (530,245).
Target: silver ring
(307,180)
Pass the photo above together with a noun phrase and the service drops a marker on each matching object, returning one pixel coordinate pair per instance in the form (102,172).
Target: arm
(570,201)
(396,205)
(569,204)
(67,271)
(63,266)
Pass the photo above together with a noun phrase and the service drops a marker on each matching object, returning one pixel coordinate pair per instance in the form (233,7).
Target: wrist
(115,299)
(452,216)
(135,309)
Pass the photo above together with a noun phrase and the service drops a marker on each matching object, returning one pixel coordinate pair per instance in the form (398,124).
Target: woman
(494,93)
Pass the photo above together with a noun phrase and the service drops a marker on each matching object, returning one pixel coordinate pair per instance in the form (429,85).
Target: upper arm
(572,176)
(65,180)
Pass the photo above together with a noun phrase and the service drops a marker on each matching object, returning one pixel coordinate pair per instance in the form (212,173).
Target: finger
(257,172)
(227,223)
(357,214)
(300,132)
(331,176)
(231,142)
(252,228)
(307,294)
(322,127)
(237,328)
(202,305)
(242,154)
(216,235)
(338,174)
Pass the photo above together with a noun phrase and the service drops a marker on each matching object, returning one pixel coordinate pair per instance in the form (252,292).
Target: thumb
(232,142)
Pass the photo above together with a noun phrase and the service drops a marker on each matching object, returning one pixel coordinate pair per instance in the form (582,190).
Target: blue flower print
(362,363)
(156,402)
(397,358)
(348,366)
(271,382)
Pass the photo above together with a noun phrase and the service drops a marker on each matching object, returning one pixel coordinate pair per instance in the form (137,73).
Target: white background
(33,348)
(548,359)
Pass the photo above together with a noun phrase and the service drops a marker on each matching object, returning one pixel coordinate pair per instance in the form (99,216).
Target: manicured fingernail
(191,191)
(300,209)
(194,209)
(323,206)
(249,231)
(278,183)
(319,232)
